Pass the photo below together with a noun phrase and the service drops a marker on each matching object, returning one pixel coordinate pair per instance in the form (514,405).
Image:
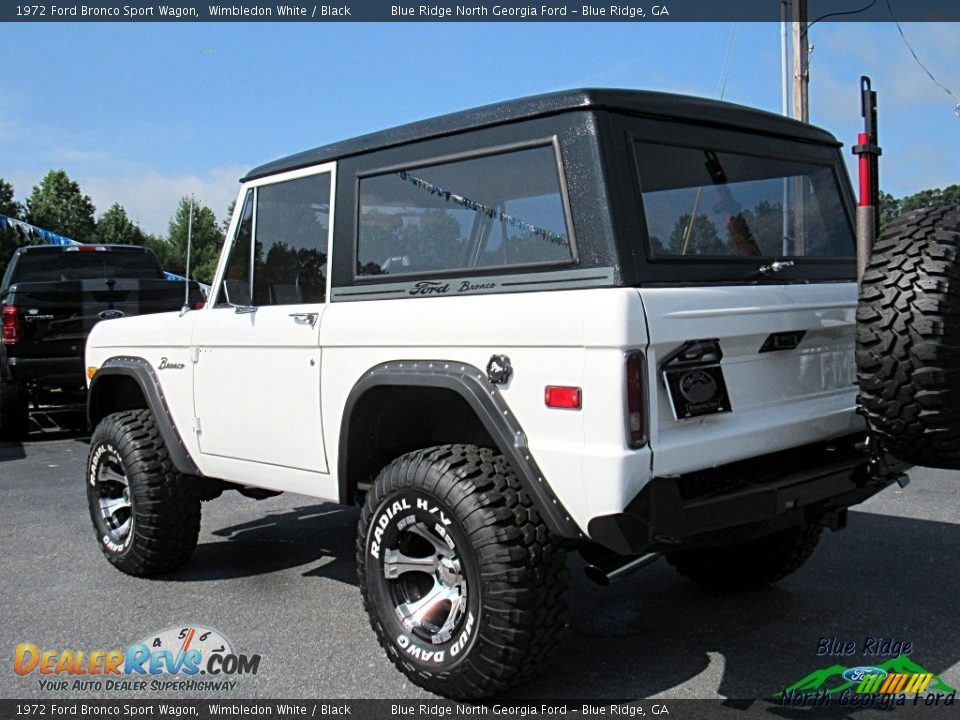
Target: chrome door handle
(306,318)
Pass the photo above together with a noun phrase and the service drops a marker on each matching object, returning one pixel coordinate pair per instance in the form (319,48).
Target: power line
(728,53)
(842,12)
(728,58)
(936,82)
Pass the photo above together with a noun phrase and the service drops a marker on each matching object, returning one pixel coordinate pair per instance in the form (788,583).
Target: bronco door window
(502,209)
(702,204)
(279,254)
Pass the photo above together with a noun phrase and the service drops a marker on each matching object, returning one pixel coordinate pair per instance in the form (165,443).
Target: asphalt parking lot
(277,578)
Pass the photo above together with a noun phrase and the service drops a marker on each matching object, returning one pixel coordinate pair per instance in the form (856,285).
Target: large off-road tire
(464,585)
(749,565)
(908,337)
(145,513)
(14,410)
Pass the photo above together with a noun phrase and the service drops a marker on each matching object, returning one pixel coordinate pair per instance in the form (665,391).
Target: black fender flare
(143,374)
(491,409)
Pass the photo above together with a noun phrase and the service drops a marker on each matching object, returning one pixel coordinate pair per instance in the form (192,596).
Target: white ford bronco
(614,322)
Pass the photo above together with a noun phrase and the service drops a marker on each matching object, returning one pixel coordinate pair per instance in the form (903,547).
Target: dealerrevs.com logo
(180,658)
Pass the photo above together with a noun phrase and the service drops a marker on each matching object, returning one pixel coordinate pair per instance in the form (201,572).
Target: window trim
(253,185)
(483,152)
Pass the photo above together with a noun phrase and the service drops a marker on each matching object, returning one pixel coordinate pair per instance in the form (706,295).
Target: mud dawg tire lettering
(146,514)
(908,337)
(751,564)
(463,584)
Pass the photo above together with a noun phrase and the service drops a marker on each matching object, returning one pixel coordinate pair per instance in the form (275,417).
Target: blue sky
(143,113)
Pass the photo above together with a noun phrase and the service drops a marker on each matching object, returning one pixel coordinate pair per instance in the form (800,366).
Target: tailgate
(786,359)
(57,317)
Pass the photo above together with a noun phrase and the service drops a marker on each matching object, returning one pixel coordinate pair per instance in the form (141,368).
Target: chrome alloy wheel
(112,491)
(426,581)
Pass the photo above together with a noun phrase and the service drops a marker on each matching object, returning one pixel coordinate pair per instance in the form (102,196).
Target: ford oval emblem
(857,674)
(110,314)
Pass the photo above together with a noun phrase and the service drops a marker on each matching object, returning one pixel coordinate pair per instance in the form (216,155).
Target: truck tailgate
(787,364)
(57,316)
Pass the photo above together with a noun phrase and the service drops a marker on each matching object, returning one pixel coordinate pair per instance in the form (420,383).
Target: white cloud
(151,199)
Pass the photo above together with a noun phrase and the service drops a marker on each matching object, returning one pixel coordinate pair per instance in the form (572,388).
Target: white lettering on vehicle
(461,640)
(398,506)
(381,524)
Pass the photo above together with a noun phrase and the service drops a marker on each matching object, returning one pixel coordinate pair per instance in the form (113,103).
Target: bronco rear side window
(700,202)
(503,209)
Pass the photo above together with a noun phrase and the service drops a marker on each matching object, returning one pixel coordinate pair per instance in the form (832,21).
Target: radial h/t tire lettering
(495,565)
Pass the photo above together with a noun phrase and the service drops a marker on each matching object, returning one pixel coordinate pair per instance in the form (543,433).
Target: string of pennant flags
(491,212)
(31,233)
(28,232)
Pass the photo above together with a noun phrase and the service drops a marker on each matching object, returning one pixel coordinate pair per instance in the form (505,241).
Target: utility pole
(801,111)
(785,108)
(801,58)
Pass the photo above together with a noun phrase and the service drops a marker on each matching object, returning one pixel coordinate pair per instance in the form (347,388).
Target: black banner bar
(828,707)
(476,11)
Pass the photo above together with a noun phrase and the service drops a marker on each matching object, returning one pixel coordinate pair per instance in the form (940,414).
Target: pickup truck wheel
(908,337)
(462,581)
(14,410)
(145,513)
(749,565)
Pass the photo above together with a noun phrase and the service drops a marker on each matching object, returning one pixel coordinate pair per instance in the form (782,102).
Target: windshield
(86,265)
(701,203)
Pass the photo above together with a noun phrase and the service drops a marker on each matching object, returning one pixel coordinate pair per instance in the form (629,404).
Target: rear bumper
(812,483)
(57,371)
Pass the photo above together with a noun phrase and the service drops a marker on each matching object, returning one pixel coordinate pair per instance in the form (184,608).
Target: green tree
(8,206)
(57,204)
(10,239)
(226,218)
(889,207)
(161,248)
(950,195)
(206,243)
(704,238)
(114,227)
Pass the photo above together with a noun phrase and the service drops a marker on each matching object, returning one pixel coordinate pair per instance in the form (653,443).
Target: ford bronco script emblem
(110,314)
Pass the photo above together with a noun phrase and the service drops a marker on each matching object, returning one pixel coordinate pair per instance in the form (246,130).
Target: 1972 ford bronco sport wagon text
(615,322)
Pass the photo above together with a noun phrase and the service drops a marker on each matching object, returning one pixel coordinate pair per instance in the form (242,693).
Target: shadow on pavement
(884,577)
(279,541)
(655,631)
(47,424)
(11,450)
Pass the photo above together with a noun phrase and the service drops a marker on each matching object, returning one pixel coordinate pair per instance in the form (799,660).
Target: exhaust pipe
(606,572)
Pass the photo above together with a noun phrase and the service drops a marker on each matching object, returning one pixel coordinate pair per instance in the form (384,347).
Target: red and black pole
(868,152)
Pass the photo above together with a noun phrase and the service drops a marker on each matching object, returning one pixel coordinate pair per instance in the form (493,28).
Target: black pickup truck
(51,296)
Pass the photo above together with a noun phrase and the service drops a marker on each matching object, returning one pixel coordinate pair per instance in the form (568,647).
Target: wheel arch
(129,383)
(438,401)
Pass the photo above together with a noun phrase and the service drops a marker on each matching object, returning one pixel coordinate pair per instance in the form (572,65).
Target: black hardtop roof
(637,102)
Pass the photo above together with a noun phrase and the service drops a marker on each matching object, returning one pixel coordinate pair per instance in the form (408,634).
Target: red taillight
(636,429)
(199,305)
(86,248)
(11,326)
(557,396)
